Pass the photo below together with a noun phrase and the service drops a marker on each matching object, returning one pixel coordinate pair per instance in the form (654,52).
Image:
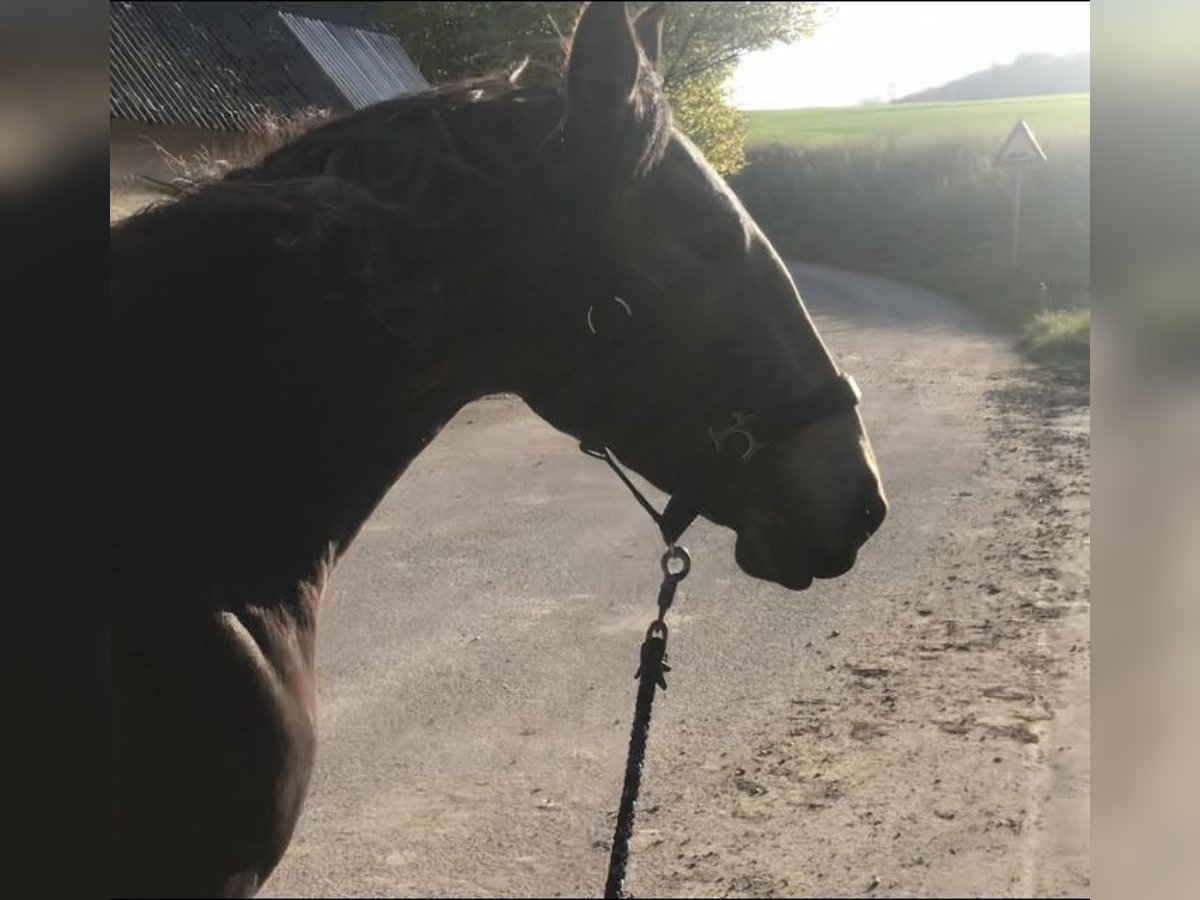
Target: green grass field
(1065,115)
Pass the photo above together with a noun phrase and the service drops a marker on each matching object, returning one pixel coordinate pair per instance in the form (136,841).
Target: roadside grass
(1059,337)
(936,211)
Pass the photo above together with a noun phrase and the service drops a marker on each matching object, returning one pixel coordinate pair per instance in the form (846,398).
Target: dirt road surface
(917,727)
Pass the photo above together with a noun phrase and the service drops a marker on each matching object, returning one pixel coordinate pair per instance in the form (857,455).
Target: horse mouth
(757,564)
(774,554)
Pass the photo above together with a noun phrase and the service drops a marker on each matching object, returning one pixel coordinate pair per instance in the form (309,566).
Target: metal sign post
(1016,236)
(1020,149)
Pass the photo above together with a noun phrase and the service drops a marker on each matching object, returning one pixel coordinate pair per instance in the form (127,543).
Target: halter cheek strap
(838,395)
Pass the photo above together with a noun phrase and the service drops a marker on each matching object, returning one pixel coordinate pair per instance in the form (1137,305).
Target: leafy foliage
(1059,336)
(706,37)
(449,41)
(703,114)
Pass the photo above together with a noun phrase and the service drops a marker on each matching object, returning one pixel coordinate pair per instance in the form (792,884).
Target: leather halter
(837,395)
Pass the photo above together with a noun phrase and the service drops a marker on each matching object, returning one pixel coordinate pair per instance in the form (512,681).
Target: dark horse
(287,339)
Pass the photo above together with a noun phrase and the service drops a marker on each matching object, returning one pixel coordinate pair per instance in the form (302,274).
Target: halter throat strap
(672,522)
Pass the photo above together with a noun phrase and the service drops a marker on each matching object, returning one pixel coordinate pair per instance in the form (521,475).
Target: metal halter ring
(624,306)
(740,426)
(676,553)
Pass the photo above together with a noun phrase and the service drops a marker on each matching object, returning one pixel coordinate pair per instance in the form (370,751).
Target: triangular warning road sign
(1021,147)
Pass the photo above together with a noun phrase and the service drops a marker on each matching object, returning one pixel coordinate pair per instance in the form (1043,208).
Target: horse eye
(717,246)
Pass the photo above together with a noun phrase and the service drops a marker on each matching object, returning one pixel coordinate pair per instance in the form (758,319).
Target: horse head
(681,341)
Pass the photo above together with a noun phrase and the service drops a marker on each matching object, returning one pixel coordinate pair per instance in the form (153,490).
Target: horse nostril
(875,507)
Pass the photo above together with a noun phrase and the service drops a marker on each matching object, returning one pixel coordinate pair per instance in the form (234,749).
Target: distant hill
(1029,75)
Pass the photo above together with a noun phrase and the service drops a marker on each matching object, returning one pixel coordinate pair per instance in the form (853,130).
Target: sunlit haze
(880,51)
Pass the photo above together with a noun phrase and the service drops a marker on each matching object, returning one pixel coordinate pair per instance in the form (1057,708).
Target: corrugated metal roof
(367,66)
(356,14)
(230,66)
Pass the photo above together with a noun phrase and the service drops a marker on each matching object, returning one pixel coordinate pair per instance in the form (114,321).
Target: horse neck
(259,419)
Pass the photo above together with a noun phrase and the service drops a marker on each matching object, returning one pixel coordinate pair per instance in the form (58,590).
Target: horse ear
(603,62)
(649,29)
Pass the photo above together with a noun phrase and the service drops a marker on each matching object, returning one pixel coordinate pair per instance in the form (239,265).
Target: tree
(702,44)
(704,115)
(450,41)
(701,48)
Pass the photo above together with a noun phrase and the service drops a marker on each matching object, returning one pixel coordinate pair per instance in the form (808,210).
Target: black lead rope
(651,673)
(836,395)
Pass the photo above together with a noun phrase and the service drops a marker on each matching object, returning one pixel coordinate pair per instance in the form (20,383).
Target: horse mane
(456,153)
(414,199)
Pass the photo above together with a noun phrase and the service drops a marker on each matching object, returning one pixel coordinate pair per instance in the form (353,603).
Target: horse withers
(287,339)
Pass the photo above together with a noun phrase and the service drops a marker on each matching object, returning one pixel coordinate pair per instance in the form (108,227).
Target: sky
(880,51)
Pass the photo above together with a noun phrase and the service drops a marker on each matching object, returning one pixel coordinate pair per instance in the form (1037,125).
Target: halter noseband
(837,395)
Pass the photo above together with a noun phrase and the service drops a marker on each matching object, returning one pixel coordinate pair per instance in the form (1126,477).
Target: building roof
(367,66)
(232,66)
